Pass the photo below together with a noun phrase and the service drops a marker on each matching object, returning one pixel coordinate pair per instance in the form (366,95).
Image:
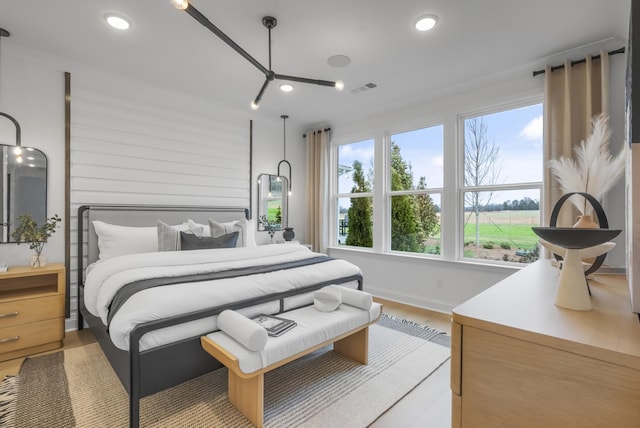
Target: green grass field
(512,228)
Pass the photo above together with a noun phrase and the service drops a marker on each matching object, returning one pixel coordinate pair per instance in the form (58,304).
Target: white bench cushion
(314,327)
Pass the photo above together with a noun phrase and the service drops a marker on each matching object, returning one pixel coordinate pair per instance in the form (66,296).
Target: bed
(151,335)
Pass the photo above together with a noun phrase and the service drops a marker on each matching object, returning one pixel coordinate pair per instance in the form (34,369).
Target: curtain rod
(320,130)
(580,61)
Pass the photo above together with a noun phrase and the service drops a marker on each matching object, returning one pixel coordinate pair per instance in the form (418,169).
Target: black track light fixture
(270,23)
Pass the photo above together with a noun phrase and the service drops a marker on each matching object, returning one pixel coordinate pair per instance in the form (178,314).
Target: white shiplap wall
(126,150)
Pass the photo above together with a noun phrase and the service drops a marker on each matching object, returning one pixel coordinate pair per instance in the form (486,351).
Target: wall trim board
(67,190)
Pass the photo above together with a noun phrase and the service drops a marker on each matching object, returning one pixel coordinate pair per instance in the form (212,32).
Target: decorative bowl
(575,238)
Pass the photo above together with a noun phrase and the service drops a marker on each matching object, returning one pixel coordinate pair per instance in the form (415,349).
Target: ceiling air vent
(363,88)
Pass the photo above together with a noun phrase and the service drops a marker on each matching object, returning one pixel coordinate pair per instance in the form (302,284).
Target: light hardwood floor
(427,406)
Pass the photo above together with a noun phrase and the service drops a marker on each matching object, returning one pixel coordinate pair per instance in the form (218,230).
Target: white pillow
(327,299)
(245,331)
(198,229)
(358,298)
(115,240)
(251,233)
(246,229)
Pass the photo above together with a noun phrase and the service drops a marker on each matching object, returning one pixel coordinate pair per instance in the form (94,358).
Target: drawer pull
(9,314)
(10,339)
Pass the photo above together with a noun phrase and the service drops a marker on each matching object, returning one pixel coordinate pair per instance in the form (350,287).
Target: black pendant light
(284,143)
(5,33)
(269,22)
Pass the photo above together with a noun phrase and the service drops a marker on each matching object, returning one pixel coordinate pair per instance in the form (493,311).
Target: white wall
(442,285)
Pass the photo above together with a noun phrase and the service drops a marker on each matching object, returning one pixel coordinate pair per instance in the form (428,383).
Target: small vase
(586,222)
(288,234)
(38,260)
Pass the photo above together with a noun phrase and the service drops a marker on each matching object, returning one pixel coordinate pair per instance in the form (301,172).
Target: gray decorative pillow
(168,237)
(189,241)
(241,226)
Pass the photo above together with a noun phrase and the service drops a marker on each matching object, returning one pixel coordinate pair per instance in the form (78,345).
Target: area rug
(77,387)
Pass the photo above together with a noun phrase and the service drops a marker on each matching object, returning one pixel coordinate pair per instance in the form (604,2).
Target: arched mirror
(272,200)
(24,187)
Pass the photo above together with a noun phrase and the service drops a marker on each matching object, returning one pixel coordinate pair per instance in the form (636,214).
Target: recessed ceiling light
(117,21)
(426,22)
(180,4)
(286,87)
(339,61)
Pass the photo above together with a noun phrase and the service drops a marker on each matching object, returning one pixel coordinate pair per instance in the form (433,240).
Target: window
(415,160)
(467,187)
(502,184)
(355,169)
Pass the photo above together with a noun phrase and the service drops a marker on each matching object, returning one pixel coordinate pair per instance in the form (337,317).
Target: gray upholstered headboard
(140,215)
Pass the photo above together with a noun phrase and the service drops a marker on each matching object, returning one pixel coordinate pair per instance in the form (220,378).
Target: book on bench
(275,326)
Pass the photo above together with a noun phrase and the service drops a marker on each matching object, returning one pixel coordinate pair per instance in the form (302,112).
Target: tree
(413,217)
(481,167)
(279,216)
(426,211)
(406,231)
(359,215)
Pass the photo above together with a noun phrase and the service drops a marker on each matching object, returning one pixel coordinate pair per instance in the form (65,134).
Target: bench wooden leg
(355,346)
(247,395)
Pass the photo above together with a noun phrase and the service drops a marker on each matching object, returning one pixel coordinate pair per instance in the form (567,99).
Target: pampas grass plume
(592,169)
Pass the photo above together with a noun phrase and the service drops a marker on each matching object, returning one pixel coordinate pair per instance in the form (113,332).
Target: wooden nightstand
(32,305)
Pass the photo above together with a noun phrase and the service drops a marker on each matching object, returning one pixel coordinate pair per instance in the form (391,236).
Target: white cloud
(533,130)
(437,161)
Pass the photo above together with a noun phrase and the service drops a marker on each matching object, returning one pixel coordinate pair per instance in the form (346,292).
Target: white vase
(586,222)
(36,261)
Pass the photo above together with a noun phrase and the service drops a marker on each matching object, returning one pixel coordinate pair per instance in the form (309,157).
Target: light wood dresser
(520,361)
(32,310)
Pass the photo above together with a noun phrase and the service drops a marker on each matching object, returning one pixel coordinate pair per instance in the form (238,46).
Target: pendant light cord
(2,34)
(284,136)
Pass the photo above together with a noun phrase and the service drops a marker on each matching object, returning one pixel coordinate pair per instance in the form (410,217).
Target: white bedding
(107,276)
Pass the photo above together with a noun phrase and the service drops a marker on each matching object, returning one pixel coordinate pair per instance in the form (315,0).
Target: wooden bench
(347,328)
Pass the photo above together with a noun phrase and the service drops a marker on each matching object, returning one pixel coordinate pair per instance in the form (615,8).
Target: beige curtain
(572,96)
(317,189)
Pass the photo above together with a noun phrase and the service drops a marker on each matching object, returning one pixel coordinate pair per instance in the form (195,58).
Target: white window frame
(388,193)
(333,224)
(462,189)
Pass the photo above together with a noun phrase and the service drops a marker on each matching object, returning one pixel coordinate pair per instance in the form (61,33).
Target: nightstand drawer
(31,310)
(32,334)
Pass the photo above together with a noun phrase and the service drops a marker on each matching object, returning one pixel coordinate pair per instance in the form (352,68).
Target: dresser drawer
(31,310)
(32,334)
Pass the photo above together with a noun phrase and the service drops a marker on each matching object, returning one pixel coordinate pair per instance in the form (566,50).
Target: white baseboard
(411,300)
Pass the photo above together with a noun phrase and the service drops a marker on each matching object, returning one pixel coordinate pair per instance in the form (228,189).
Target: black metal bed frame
(143,373)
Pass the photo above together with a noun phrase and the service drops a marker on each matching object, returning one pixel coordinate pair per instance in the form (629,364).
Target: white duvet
(108,276)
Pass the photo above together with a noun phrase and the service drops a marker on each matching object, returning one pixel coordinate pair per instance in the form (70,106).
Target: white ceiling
(169,48)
